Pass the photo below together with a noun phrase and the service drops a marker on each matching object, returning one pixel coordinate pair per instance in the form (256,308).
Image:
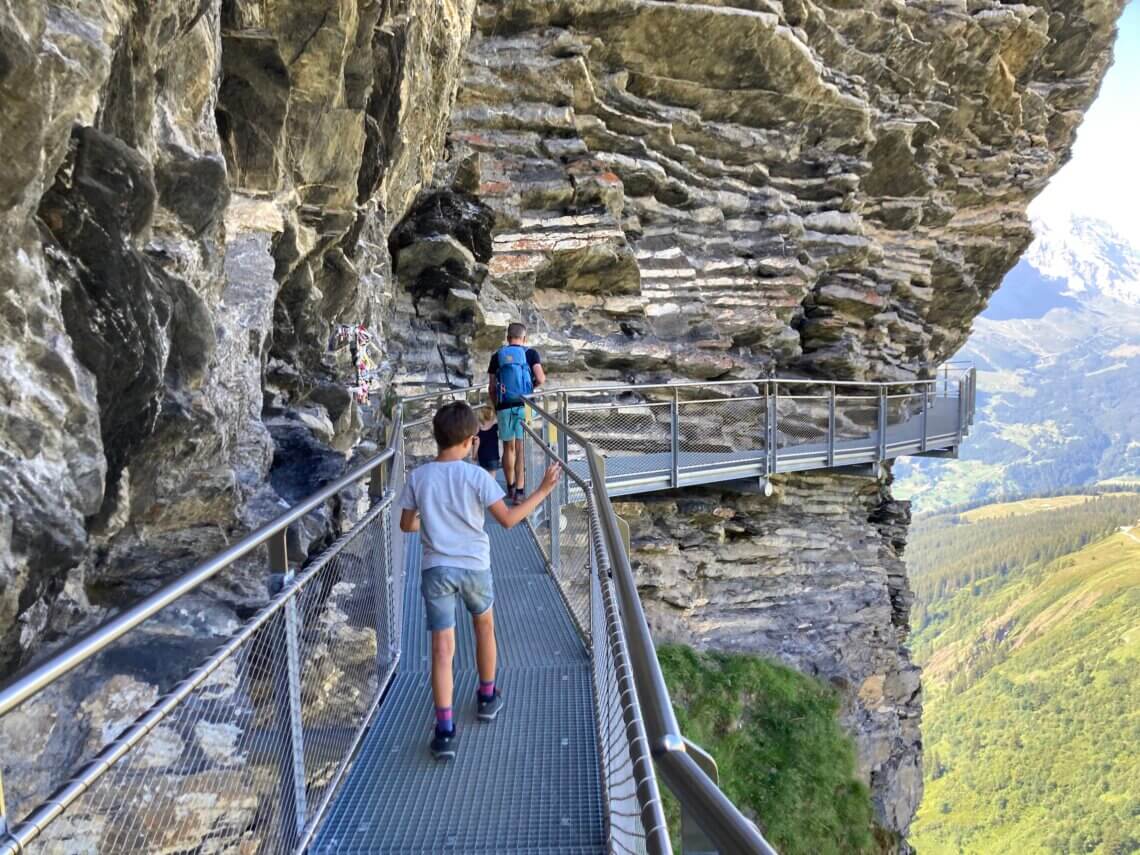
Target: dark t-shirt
(489,446)
(532,359)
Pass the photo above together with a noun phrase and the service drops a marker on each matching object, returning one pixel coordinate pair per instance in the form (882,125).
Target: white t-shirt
(451,497)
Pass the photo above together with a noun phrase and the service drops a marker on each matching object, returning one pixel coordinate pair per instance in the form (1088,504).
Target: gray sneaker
(486,710)
(443,745)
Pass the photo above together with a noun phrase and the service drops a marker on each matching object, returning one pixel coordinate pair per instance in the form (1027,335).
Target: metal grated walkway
(530,781)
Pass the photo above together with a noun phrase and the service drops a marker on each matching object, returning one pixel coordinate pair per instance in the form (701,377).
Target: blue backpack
(515,379)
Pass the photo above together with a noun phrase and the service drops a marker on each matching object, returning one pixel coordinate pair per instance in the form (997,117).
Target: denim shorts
(510,423)
(440,587)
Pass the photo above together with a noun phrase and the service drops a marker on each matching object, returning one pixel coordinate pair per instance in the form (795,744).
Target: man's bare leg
(509,465)
(520,471)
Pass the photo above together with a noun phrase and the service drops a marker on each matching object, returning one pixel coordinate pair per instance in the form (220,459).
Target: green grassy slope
(1032,721)
(782,755)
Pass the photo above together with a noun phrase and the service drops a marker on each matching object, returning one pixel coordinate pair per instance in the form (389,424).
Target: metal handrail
(682,384)
(718,817)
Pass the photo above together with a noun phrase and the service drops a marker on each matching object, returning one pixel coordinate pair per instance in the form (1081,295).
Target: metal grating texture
(527,782)
(578,560)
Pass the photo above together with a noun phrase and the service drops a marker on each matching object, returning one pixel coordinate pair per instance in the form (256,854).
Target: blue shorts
(440,587)
(511,423)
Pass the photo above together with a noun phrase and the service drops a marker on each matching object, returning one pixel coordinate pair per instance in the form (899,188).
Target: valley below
(1027,624)
(1058,357)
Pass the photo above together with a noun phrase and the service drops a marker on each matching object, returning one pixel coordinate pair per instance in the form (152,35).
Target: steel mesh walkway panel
(527,782)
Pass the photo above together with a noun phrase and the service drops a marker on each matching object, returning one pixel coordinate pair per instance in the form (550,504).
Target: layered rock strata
(723,190)
(197,191)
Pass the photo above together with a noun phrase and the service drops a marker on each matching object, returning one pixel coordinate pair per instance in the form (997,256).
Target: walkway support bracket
(771,399)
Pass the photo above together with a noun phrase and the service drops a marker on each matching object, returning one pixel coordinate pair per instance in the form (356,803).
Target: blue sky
(1103,178)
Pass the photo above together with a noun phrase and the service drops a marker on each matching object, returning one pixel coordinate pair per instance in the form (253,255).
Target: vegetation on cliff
(782,755)
(1031,722)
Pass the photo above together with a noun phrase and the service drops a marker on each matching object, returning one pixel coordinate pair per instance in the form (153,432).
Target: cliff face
(197,190)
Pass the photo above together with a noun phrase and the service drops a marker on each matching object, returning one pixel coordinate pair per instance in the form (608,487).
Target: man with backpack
(516,371)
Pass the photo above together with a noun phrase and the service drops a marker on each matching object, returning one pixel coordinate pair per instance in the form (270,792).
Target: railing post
(294,794)
(773,456)
(831,426)
(378,483)
(554,506)
(973,393)
(675,436)
(961,409)
(564,446)
(882,423)
(925,407)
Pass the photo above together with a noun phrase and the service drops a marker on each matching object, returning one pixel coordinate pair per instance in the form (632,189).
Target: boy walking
(445,501)
(515,371)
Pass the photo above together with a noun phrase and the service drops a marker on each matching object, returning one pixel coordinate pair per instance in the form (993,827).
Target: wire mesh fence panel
(348,647)
(905,409)
(722,426)
(218,768)
(801,420)
(856,417)
(625,429)
(628,783)
(419,442)
(572,567)
(238,756)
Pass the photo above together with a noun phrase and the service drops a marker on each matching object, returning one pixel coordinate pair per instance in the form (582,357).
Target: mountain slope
(1032,717)
(1058,358)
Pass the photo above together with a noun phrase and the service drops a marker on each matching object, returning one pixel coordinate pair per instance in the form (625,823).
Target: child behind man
(445,500)
(487,440)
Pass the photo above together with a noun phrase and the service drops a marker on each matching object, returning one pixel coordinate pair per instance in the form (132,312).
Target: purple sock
(486,689)
(443,722)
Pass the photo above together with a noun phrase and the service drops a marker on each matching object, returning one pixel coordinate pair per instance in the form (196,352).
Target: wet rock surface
(197,192)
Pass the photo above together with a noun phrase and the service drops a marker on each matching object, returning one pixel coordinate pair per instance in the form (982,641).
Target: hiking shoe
(443,744)
(486,710)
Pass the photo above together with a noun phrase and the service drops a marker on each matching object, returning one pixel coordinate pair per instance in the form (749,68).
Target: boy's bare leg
(442,680)
(485,651)
(490,700)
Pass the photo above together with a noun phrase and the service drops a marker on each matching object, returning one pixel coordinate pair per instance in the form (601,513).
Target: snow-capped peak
(1093,259)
